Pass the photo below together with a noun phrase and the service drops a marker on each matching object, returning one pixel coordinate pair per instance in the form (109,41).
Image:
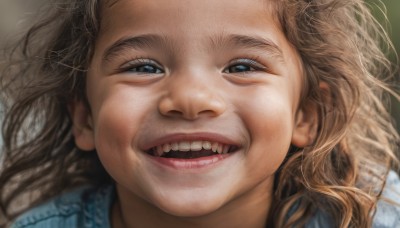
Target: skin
(195,84)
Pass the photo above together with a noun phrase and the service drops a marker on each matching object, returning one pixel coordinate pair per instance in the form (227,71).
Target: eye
(142,66)
(243,66)
(239,68)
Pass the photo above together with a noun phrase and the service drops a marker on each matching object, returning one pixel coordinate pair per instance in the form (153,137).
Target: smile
(191,149)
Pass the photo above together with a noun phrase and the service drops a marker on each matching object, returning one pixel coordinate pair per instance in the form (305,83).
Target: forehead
(205,14)
(184,4)
(190,24)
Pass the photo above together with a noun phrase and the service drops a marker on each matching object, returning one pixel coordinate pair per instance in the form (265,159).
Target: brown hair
(339,43)
(46,71)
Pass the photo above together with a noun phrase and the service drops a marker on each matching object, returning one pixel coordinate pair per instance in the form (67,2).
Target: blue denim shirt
(84,207)
(88,207)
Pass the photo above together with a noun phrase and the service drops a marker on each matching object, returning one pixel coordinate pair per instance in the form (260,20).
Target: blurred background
(15,16)
(392,22)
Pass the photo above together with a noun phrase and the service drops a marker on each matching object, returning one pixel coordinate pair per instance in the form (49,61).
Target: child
(244,113)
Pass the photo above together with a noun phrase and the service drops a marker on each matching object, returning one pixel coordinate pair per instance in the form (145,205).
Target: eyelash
(251,63)
(141,62)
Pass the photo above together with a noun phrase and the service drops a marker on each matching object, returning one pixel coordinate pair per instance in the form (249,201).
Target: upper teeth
(192,146)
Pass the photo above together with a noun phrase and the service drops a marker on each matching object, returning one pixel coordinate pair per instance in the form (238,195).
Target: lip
(190,164)
(212,137)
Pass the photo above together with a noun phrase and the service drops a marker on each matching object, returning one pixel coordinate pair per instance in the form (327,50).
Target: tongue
(189,154)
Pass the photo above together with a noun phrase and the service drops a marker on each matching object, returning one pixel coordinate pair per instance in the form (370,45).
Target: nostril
(175,113)
(207,113)
(179,102)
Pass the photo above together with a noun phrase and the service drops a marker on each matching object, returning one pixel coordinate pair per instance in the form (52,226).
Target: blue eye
(239,68)
(244,66)
(142,66)
(147,69)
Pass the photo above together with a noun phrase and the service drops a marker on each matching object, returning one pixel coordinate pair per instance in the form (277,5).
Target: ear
(82,128)
(306,120)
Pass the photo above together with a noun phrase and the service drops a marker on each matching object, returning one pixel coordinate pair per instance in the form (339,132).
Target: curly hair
(342,173)
(340,45)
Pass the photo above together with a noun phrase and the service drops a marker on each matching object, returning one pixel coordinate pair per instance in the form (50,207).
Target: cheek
(118,113)
(269,120)
(116,127)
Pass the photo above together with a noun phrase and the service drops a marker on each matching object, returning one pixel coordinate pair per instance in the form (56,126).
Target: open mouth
(191,150)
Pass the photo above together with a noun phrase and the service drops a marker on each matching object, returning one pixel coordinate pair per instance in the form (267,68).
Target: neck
(246,210)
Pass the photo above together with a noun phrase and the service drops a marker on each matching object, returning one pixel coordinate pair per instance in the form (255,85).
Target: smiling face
(193,104)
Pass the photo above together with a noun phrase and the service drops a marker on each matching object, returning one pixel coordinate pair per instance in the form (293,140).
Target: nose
(191,97)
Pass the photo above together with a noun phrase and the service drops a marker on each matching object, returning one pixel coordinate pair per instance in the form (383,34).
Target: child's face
(173,73)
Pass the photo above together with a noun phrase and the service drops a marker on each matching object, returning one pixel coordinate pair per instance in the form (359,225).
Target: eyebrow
(147,41)
(151,41)
(247,42)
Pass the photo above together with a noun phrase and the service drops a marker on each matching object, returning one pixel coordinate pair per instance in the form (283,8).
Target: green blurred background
(392,23)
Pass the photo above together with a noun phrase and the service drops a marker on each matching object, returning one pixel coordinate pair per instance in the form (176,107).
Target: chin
(194,206)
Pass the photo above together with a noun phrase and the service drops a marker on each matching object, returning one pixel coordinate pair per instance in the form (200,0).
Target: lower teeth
(189,154)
